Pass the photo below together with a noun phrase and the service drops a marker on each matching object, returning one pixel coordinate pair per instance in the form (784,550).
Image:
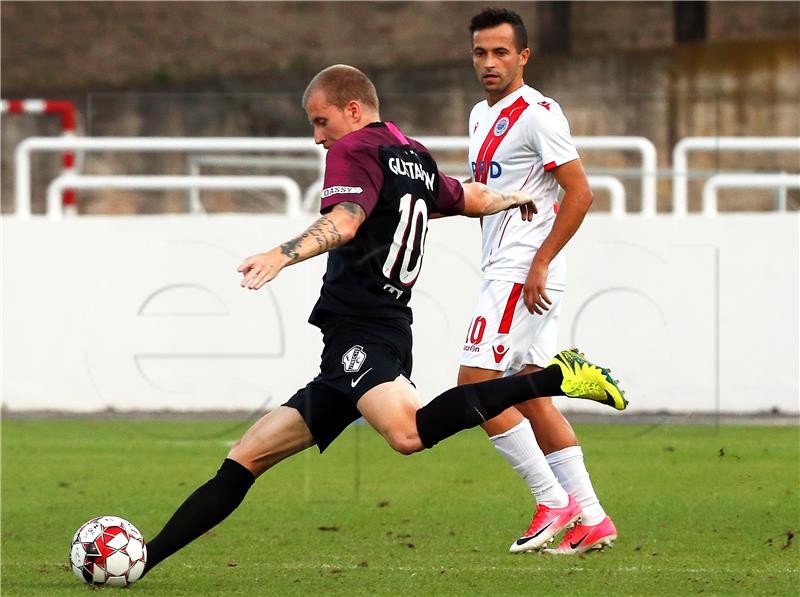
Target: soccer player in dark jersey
(380,190)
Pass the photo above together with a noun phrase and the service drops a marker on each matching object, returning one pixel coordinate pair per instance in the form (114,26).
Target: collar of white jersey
(509,99)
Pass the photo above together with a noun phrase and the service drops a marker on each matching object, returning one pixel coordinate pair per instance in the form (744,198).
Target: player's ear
(524,56)
(353,110)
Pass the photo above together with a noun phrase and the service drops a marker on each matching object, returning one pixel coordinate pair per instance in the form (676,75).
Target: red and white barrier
(64,108)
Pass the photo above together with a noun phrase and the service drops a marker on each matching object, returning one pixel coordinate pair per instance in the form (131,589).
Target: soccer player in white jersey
(520,140)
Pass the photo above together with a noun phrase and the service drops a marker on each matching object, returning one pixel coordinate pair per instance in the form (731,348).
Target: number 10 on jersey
(409,238)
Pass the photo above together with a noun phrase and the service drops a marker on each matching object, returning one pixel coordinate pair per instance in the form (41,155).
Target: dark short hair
(342,83)
(494,17)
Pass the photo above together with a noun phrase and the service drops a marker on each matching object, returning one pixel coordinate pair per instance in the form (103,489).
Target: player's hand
(260,269)
(534,293)
(527,208)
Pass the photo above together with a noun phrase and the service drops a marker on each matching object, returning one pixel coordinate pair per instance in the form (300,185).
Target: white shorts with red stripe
(504,336)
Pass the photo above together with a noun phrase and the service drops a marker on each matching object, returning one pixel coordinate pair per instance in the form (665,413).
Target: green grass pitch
(699,509)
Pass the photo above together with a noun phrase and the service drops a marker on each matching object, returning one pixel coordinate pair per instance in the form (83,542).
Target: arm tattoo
(325,234)
(353,208)
(289,248)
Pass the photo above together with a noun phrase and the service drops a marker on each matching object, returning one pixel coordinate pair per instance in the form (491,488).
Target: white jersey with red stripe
(514,145)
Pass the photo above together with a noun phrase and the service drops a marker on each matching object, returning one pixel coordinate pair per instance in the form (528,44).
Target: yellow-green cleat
(584,379)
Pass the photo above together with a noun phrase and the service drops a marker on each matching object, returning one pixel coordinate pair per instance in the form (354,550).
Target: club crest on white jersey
(353,359)
(501,126)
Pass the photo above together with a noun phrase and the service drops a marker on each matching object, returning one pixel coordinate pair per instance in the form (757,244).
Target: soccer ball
(108,550)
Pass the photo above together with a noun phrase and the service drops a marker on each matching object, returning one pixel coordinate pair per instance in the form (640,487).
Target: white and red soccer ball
(108,550)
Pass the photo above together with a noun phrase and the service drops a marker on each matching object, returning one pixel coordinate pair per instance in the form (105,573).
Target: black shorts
(357,356)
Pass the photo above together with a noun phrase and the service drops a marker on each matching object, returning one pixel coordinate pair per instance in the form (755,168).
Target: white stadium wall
(694,314)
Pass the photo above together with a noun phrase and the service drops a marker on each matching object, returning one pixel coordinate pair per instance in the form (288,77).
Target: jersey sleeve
(451,196)
(551,137)
(352,175)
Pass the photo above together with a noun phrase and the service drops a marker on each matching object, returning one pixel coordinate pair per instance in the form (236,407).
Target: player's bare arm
(571,210)
(480,200)
(332,230)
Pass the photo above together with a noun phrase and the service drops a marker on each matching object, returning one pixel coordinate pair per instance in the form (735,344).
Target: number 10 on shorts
(476,330)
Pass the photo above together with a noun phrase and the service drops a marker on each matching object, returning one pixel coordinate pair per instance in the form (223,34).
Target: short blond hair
(341,84)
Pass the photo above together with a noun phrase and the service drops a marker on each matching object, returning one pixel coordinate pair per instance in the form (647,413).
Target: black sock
(209,505)
(469,405)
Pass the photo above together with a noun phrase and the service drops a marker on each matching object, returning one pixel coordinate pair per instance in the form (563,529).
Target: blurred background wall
(662,70)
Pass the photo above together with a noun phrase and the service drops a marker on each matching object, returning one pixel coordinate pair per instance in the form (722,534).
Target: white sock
(518,446)
(570,469)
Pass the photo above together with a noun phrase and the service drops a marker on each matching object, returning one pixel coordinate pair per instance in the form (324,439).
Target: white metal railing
(649,170)
(680,175)
(249,161)
(161,183)
(22,154)
(311,198)
(611,184)
(744,181)
(248,144)
(642,145)
(615,189)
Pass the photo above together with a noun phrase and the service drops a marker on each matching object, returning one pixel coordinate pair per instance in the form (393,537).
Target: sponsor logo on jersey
(353,359)
(499,352)
(545,105)
(475,128)
(501,126)
(471,348)
(412,170)
(341,191)
(494,168)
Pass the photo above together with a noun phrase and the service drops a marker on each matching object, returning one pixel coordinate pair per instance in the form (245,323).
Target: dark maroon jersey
(397,183)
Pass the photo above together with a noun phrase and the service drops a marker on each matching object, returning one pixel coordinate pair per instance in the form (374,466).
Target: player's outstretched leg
(209,505)
(463,407)
(277,435)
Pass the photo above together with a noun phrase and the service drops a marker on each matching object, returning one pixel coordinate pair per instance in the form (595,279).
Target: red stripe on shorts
(511,305)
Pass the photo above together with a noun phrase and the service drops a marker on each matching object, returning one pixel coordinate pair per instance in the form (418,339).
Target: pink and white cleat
(547,523)
(582,538)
